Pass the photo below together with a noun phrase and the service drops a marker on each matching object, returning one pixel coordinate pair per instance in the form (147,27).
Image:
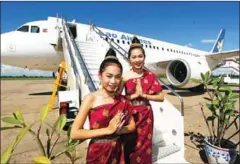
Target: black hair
(135,44)
(110,58)
(135,40)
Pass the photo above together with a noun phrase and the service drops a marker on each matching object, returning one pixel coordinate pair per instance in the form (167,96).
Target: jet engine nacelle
(181,72)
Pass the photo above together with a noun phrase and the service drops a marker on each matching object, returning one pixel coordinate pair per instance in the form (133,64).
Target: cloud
(208,41)
(188,45)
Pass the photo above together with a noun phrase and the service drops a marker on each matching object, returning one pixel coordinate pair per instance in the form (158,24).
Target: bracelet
(129,97)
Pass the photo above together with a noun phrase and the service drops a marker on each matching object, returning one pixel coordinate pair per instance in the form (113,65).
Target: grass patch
(25,78)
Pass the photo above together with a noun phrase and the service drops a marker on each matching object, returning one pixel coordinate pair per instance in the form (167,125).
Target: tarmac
(29,96)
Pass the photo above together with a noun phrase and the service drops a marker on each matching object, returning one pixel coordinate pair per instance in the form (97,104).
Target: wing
(215,58)
(159,68)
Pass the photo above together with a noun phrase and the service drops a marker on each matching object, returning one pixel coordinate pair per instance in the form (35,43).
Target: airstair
(83,59)
(231,64)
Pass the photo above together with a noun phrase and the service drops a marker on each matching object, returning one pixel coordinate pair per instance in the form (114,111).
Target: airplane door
(53,31)
(73,29)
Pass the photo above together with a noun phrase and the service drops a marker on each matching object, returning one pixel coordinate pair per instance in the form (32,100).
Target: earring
(100,85)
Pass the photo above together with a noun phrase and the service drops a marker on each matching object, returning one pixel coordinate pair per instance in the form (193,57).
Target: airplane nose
(7,45)
(3,45)
(8,49)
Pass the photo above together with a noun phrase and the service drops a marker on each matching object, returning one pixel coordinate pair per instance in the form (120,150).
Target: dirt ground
(30,96)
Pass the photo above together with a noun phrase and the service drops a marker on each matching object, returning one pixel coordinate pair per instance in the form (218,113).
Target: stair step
(96,67)
(98,58)
(90,63)
(84,42)
(93,71)
(164,151)
(93,57)
(82,51)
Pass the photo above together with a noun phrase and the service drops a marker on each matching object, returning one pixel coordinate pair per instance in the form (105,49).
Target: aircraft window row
(35,29)
(156,47)
(25,28)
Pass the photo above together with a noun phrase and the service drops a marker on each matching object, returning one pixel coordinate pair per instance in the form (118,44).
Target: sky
(193,24)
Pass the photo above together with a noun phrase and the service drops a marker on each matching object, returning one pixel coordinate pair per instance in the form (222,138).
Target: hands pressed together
(139,91)
(116,123)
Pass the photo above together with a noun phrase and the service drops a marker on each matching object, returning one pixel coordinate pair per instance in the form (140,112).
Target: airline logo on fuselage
(125,37)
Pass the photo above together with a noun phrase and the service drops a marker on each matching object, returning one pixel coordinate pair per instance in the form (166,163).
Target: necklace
(106,95)
(138,74)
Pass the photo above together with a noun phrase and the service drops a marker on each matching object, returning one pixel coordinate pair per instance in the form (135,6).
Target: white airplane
(33,46)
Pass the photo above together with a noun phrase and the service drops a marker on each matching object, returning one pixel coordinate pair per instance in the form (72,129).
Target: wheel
(199,88)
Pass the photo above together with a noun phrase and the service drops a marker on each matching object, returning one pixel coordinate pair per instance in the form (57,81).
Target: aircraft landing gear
(199,89)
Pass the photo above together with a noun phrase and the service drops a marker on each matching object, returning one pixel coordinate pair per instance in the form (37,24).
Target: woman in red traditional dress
(109,116)
(140,87)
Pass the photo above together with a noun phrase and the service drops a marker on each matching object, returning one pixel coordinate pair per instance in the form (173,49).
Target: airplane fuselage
(32,51)
(33,46)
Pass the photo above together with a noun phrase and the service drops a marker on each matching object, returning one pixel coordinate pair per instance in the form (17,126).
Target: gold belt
(139,102)
(105,140)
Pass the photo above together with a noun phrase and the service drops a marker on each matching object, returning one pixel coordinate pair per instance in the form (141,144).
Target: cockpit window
(35,29)
(23,29)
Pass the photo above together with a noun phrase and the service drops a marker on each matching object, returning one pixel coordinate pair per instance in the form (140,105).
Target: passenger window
(157,48)
(167,49)
(146,46)
(117,41)
(112,39)
(128,42)
(163,49)
(35,29)
(150,46)
(123,42)
(23,29)
(153,47)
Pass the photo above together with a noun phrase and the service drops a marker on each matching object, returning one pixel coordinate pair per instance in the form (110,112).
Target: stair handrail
(92,87)
(71,54)
(231,67)
(99,32)
(232,60)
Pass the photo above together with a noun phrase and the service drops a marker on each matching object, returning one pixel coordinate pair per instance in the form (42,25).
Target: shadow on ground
(198,140)
(187,93)
(40,94)
(237,160)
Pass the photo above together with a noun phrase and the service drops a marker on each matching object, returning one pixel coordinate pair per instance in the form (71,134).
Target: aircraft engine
(178,72)
(181,73)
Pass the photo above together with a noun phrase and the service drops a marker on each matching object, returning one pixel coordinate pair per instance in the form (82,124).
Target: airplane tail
(216,56)
(218,45)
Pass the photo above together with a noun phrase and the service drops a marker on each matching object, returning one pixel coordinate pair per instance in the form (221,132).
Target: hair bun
(111,54)
(135,42)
